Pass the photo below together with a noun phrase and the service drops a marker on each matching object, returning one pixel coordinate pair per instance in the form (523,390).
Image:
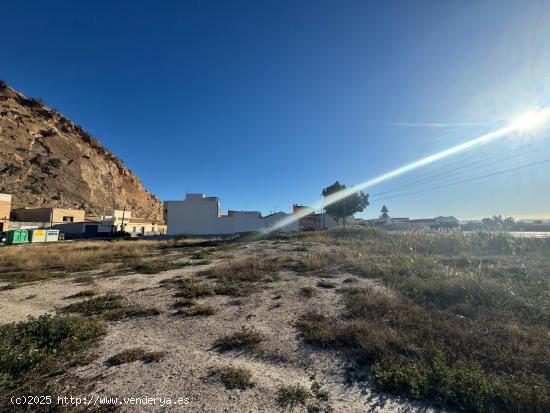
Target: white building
(200,215)
(404,223)
(118,219)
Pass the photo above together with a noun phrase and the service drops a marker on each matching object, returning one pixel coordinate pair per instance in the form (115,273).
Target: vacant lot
(345,321)
(32,262)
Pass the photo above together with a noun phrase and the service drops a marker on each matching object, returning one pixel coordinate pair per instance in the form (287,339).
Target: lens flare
(528,121)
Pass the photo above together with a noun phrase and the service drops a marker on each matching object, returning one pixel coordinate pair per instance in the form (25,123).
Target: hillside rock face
(46,160)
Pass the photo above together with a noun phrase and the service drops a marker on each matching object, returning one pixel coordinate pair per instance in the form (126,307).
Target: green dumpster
(17,236)
(10,236)
(24,237)
(13,236)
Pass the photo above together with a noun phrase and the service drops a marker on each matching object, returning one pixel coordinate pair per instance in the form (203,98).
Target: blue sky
(265,103)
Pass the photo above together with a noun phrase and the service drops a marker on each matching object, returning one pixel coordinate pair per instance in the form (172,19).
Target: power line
(461,169)
(465,180)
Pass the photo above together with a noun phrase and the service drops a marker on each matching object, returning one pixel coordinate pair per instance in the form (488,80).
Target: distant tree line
(499,223)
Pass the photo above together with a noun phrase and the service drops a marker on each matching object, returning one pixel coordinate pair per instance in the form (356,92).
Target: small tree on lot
(354,201)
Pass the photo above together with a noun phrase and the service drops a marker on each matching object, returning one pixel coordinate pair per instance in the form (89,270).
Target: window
(68,219)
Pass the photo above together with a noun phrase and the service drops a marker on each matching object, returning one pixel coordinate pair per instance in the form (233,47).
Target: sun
(527,121)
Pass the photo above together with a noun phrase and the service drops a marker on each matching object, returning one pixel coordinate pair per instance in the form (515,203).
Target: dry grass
(233,377)
(308,291)
(291,395)
(197,310)
(190,288)
(154,266)
(245,338)
(240,277)
(135,354)
(111,307)
(186,302)
(318,262)
(247,270)
(33,262)
(468,326)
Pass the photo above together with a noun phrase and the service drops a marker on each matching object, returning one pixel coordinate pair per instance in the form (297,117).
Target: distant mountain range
(47,160)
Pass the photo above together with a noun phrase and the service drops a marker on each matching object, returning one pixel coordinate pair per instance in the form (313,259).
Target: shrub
(135,354)
(126,356)
(97,305)
(308,291)
(192,289)
(245,338)
(201,255)
(33,102)
(350,280)
(406,377)
(38,342)
(10,286)
(83,293)
(186,302)
(292,395)
(155,266)
(111,307)
(247,270)
(234,377)
(272,278)
(234,289)
(466,326)
(425,353)
(153,356)
(319,330)
(197,310)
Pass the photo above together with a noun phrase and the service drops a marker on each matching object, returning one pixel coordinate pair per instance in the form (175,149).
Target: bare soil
(282,358)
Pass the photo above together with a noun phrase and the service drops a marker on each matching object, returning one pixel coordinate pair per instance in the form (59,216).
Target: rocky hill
(47,160)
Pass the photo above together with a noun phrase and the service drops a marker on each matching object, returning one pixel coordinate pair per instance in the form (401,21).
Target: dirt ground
(185,371)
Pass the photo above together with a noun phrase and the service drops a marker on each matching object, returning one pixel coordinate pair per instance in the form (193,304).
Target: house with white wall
(201,215)
(389,222)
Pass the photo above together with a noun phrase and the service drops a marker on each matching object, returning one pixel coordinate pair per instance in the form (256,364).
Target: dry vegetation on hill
(341,321)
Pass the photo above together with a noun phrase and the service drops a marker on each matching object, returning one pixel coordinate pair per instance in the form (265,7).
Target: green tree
(354,201)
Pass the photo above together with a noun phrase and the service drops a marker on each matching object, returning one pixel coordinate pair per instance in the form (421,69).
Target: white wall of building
(117,218)
(270,221)
(196,215)
(246,221)
(200,215)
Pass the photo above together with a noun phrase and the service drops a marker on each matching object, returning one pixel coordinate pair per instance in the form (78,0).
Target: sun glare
(530,120)
(526,122)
